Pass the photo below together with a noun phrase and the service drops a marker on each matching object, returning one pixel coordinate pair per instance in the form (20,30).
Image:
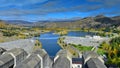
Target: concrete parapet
(62,60)
(12,57)
(33,61)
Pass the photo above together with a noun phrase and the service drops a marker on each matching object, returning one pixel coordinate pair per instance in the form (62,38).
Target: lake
(49,40)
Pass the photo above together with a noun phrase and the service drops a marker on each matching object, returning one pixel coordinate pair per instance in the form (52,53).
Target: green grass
(82,48)
(101,51)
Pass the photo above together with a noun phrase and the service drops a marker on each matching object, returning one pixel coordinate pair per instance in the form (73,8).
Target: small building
(76,62)
(97,37)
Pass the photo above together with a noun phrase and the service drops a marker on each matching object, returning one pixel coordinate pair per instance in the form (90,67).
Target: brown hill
(99,21)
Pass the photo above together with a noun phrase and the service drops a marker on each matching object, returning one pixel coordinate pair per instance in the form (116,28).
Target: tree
(113,51)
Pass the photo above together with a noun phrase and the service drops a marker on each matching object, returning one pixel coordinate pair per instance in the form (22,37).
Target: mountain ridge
(98,21)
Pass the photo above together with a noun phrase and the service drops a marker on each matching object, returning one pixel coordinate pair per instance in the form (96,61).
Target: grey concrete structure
(2,50)
(12,57)
(95,63)
(26,44)
(33,61)
(92,60)
(18,58)
(62,60)
(6,61)
(38,59)
(46,61)
(89,54)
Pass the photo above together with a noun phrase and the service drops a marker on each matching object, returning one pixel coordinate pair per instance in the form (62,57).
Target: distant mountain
(3,24)
(27,23)
(99,21)
(60,20)
(19,22)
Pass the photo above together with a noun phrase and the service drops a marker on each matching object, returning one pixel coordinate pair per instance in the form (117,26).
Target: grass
(37,47)
(100,51)
(83,48)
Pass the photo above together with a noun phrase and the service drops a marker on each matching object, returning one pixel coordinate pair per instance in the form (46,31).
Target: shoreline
(75,53)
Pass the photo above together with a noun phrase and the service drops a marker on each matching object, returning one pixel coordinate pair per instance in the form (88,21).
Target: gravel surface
(26,44)
(85,41)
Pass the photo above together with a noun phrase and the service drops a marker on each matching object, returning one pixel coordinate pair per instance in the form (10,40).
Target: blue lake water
(49,41)
(79,33)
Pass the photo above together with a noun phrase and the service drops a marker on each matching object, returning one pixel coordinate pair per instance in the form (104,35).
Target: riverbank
(75,53)
(98,32)
(12,32)
(80,44)
(61,33)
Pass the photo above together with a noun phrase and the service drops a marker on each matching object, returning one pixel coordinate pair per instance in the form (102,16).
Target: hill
(99,21)
(96,22)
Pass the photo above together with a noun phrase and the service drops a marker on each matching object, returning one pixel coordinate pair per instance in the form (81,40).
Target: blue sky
(36,10)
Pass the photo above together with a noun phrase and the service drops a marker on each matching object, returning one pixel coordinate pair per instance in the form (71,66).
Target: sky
(37,10)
